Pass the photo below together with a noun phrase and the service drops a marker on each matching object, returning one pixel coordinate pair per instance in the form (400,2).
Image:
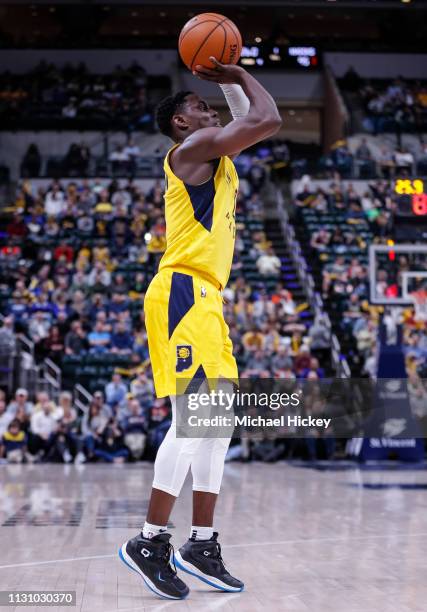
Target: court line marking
(225,546)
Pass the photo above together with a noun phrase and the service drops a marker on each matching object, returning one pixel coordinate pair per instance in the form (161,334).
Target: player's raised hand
(222,73)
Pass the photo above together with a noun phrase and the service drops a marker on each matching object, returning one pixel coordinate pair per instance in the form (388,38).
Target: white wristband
(237,100)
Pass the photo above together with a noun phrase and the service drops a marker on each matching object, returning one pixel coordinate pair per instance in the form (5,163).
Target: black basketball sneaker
(152,559)
(202,558)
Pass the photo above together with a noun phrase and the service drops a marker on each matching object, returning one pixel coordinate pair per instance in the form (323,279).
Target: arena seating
(382,105)
(77,258)
(335,226)
(74,98)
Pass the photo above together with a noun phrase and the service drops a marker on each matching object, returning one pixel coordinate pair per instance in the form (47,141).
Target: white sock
(201,533)
(149,530)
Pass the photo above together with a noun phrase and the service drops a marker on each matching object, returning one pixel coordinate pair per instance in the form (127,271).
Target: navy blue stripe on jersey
(181,299)
(197,380)
(202,199)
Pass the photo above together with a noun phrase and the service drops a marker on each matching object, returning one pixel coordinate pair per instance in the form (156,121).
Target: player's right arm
(262,121)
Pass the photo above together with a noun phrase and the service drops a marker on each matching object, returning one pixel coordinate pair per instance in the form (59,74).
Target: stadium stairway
(288,277)
(303,232)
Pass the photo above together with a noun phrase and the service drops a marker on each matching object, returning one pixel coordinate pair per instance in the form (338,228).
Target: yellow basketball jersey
(200,222)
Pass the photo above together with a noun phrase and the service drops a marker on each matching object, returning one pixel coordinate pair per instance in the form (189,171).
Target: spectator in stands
(75,341)
(6,416)
(366,339)
(142,389)
(13,444)
(363,160)
(121,340)
(404,161)
(341,159)
(20,402)
(99,276)
(99,339)
(111,447)
(54,203)
(38,327)
(98,400)
(43,430)
(281,361)
(70,443)
(134,427)
(320,338)
(7,336)
(17,228)
(268,263)
(313,371)
(115,391)
(119,159)
(92,427)
(31,162)
(257,365)
(256,175)
(422,160)
(386,163)
(253,340)
(160,421)
(133,151)
(53,344)
(351,81)
(74,162)
(320,239)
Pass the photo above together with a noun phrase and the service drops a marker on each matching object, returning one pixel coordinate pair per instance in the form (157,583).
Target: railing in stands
(82,398)
(339,363)
(24,344)
(26,373)
(49,378)
(7,360)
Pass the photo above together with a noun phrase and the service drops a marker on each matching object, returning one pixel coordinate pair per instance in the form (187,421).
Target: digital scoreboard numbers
(281,56)
(413,199)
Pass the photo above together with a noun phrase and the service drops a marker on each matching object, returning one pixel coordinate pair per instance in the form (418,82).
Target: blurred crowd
(118,425)
(367,159)
(397,105)
(73,94)
(341,224)
(75,263)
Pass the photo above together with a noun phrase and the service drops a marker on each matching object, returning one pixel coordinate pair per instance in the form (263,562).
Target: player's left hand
(222,73)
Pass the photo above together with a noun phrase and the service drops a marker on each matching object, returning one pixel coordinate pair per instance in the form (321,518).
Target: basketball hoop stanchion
(392,428)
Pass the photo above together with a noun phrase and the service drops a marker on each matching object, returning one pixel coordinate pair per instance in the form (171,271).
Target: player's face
(199,114)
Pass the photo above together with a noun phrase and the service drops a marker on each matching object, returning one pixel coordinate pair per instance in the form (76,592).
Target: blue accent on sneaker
(184,569)
(145,582)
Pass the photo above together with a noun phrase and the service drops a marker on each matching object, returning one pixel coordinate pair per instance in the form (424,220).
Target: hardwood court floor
(301,539)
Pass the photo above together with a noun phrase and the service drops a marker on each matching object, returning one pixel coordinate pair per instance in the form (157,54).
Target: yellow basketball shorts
(187,335)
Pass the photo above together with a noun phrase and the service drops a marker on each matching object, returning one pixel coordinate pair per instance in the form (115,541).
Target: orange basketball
(209,34)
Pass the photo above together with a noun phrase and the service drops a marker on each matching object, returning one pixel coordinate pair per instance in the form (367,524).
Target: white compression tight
(175,456)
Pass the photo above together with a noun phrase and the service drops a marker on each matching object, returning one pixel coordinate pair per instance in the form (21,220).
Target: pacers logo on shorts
(184,357)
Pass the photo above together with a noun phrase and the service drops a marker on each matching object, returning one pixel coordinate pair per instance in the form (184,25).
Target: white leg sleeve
(207,466)
(175,456)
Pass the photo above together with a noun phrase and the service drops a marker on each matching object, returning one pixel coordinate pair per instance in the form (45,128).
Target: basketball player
(187,335)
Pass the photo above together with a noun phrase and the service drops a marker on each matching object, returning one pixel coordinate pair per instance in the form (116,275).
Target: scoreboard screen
(411,213)
(281,56)
(412,198)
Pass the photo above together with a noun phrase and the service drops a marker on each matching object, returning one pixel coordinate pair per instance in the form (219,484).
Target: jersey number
(232,222)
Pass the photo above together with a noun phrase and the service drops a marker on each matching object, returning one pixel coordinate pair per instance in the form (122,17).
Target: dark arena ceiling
(347,25)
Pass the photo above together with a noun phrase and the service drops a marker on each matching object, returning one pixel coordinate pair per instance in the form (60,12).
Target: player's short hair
(167,108)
